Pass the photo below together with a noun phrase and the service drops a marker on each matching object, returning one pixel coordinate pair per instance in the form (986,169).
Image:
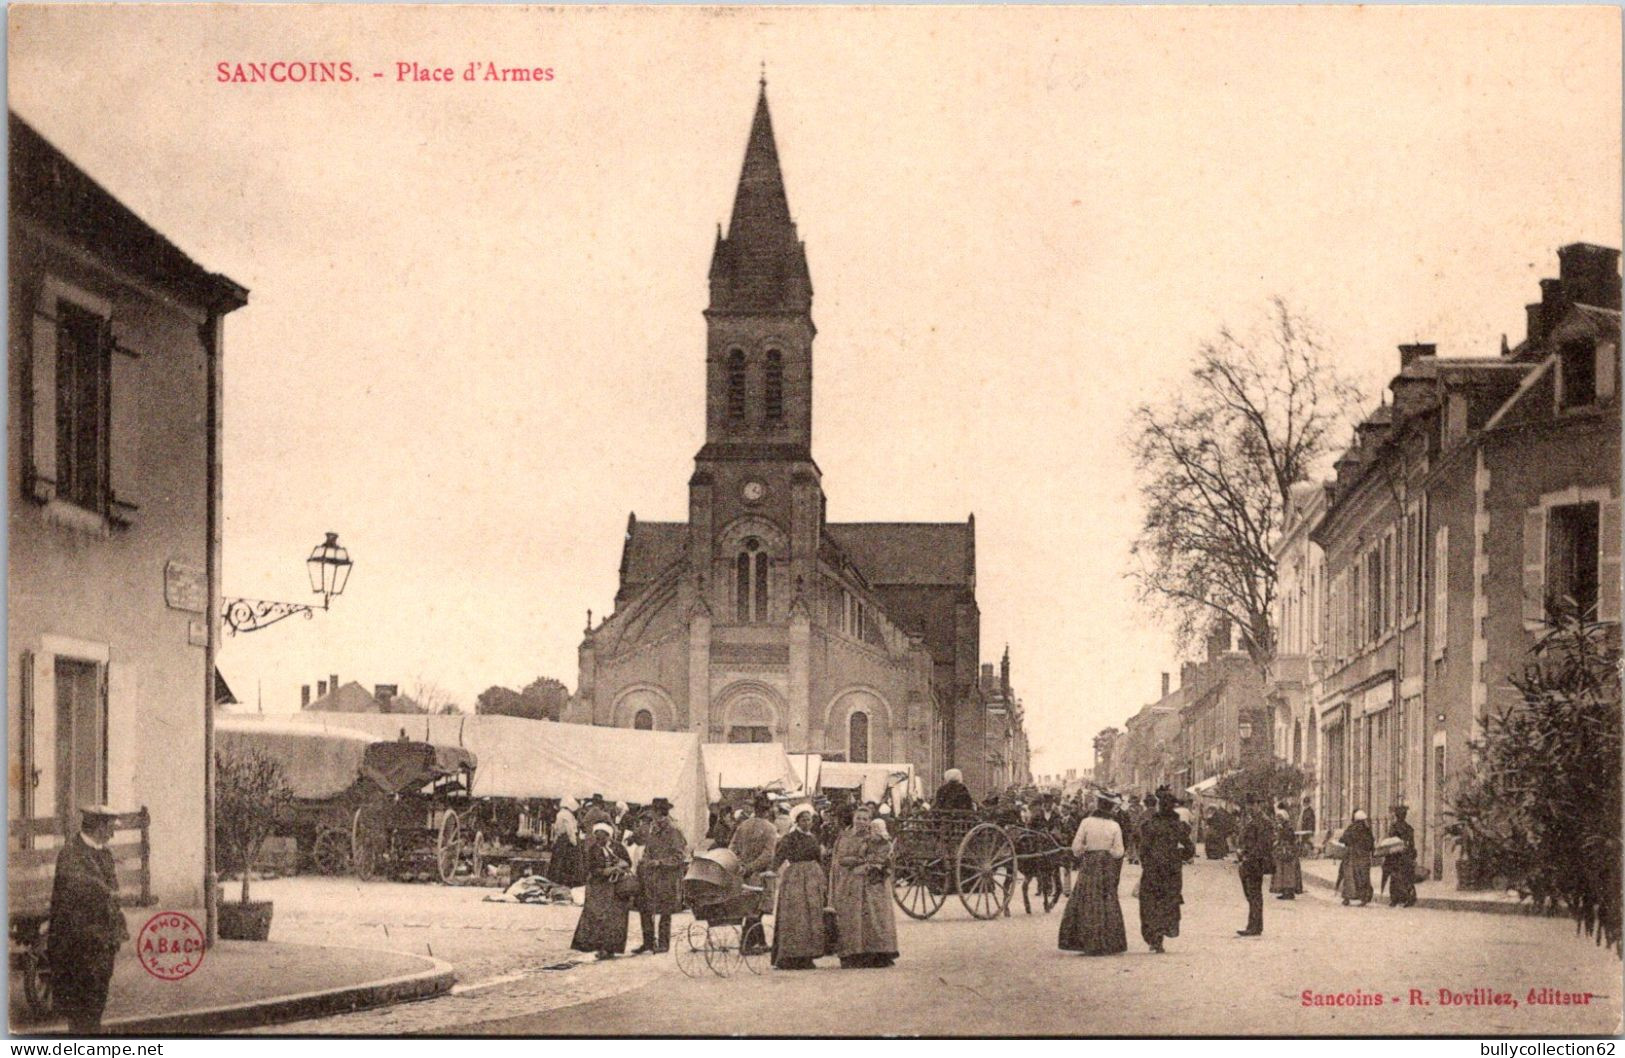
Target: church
(757,620)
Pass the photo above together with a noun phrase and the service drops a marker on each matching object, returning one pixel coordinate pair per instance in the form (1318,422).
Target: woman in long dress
(1354,876)
(1093,923)
(566,866)
(1287,881)
(602,926)
(1165,845)
(798,923)
(860,890)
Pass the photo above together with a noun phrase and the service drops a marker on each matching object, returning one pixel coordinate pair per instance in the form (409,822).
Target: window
(644,721)
(736,385)
(81,737)
(83,367)
(773,386)
(1572,539)
(857,738)
(750,583)
(1578,361)
(1441,590)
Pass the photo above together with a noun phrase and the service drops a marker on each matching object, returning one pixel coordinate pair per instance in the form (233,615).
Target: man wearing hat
(660,876)
(952,795)
(1257,860)
(87,925)
(754,842)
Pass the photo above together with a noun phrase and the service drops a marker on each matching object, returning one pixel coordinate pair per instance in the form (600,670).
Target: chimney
(1165,684)
(1532,328)
(1589,274)
(1409,353)
(333,682)
(385,691)
(1187,675)
(321,688)
(304,696)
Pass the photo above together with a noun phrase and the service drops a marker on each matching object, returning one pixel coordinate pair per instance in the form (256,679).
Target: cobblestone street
(962,976)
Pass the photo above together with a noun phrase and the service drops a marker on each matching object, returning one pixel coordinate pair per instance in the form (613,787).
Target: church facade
(756,620)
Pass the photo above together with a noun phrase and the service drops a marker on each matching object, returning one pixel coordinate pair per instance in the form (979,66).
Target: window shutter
(42,383)
(44,748)
(1534,565)
(124,444)
(1608,571)
(1441,590)
(1607,352)
(123,706)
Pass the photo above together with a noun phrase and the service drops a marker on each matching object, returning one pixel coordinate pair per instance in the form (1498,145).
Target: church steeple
(761,265)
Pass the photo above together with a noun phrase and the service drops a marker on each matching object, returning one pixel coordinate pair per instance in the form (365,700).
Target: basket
(1337,850)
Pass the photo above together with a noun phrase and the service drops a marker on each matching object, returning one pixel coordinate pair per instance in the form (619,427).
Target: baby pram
(728,927)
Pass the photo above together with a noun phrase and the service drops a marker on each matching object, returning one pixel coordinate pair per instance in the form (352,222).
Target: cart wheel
(987,870)
(754,948)
(448,848)
(912,889)
(330,853)
(477,865)
(689,950)
(37,983)
(363,849)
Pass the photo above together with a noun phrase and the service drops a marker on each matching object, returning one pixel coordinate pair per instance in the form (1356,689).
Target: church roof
(650,547)
(909,552)
(761,265)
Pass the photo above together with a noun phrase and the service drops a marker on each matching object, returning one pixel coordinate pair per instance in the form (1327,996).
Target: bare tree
(1217,461)
(426,696)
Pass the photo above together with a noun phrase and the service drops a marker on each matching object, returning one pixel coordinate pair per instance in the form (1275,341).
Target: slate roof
(47,187)
(920,553)
(761,266)
(649,548)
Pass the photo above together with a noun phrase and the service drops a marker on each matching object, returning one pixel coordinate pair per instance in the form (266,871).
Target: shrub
(251,796)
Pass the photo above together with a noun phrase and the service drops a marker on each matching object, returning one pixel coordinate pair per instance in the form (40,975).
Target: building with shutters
(757,619)
(114,484)
(1485,494)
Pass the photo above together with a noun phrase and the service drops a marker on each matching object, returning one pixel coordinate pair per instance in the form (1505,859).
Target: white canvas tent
(747,766)
(808,767)
(872,780)
(317,764)
(539,758)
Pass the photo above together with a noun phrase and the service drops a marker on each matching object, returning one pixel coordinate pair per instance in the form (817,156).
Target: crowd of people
(824,871)
(825,867)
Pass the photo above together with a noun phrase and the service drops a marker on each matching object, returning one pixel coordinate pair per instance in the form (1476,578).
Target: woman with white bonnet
(952,796)
(798,931)
(602,926)
(1354,876)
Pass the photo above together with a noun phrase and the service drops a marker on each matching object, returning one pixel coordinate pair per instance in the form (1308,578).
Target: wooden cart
(416,830)
(941,853)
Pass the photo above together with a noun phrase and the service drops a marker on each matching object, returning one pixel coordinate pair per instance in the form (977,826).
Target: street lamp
(329,567)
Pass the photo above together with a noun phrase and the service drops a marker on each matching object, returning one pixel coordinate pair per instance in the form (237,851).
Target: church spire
(761,265)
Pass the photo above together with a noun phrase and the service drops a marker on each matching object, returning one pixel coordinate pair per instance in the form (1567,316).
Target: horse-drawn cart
(417,829)
(363,804)
(941,853)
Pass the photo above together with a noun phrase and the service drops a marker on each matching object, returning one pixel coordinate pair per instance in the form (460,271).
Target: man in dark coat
(1401,866)
(1257,859)
(953,795)
(87,925)
(660,876)
(754,842)
(1165,845)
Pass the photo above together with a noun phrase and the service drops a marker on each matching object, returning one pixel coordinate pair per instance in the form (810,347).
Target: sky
(474,339)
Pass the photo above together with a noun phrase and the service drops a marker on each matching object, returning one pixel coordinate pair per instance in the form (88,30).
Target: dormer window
(1578,381)
(736,385)
(773,386)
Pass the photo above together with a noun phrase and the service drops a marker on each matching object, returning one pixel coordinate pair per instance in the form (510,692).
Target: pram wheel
(722,949)
(753,948)
(690,950)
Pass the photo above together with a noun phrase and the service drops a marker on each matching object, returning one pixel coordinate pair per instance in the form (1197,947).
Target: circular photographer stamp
(170,946)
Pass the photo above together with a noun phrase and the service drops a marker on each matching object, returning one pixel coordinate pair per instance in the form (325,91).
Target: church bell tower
(755,500)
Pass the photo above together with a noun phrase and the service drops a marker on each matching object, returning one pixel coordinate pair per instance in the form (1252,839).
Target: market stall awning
(873,779)
(747,766)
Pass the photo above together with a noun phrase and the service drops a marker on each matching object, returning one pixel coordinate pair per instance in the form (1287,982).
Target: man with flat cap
(660,875)
(87,925)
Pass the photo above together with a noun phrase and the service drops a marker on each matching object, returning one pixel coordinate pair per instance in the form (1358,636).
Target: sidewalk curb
(1446,903)
(435,979)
